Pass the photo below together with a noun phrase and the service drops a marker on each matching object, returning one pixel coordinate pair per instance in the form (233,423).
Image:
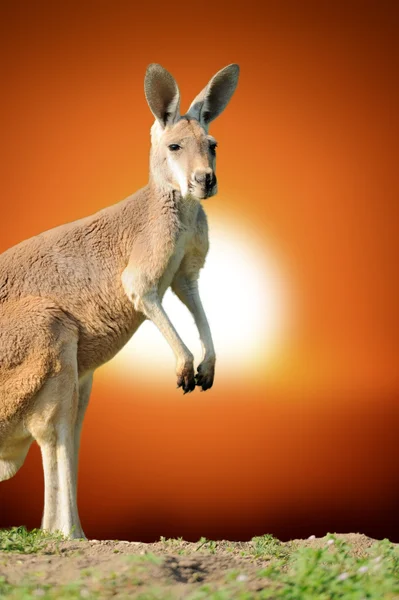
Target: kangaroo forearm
(188,293)
(151,306)
(203,327)
(145,299)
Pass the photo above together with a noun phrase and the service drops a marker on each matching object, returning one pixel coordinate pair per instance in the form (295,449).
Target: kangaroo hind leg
(12,455)
(53,424)
(33,332)
(85,386)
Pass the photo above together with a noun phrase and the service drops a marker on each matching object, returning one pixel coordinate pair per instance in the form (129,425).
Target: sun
(244,297)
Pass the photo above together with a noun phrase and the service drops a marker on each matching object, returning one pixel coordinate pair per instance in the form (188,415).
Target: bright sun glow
(242,293)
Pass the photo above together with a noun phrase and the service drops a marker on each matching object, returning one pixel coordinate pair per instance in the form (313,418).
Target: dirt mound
(175,567)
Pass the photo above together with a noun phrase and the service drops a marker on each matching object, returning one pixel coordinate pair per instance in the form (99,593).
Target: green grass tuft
(267,546)
(209,545)
(333,572)
(22,541)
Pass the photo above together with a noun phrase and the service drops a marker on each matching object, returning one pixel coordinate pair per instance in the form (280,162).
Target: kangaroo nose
(204,177)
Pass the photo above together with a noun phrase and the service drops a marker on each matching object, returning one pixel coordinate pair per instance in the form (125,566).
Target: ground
(350,566)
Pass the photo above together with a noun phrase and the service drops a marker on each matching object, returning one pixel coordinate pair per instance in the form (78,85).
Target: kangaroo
(72,296)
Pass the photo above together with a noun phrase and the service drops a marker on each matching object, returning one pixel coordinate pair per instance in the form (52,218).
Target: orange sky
(307,163)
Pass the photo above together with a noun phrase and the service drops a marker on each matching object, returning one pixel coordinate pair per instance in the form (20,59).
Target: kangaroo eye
(174,147)
(212,148)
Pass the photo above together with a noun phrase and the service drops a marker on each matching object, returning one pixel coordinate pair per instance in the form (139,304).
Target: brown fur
(70,276)
(71,297)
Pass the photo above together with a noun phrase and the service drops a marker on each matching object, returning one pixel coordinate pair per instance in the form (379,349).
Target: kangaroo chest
(180,249)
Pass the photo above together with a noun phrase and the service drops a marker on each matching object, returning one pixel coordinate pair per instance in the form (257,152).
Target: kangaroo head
(183,154)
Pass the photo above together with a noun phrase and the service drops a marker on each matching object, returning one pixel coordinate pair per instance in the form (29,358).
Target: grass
(291,572)
(267,546)
(209,545)
(20,540)
(333,572)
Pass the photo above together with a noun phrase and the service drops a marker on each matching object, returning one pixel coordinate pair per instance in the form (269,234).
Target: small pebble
(330,542)
(242,577)
(363,569)
(312,537)
(343,576)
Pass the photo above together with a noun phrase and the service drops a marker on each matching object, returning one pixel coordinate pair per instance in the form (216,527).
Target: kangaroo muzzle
(204,183)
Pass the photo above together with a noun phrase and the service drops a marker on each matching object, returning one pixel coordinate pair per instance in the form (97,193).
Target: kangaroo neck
(170,201)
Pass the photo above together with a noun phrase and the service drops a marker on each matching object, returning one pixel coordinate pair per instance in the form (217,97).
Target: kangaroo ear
(162,94)
(214,98)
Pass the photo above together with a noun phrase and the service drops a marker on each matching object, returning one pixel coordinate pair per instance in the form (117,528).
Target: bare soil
(172,566)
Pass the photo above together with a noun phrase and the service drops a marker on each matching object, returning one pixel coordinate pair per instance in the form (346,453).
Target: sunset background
(299,434)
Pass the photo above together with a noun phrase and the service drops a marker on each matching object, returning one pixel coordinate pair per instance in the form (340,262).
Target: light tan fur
(71,297)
